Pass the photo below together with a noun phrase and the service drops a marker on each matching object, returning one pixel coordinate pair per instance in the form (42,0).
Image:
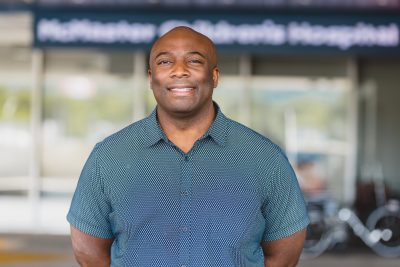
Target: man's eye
(164,62)
(195,61)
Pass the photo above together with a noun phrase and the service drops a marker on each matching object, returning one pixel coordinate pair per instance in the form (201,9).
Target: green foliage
(78,115)
(15,104)
(325,113)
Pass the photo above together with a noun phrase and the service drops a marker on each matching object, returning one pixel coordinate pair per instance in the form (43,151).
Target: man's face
(183,72)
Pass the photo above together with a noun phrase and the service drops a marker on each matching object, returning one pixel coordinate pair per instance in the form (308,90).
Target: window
(15,138)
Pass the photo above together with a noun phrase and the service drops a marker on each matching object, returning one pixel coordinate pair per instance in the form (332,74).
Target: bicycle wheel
(386,219)
(317,238)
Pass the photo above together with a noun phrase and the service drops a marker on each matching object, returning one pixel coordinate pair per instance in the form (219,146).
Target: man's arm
(284,252)
(90,251)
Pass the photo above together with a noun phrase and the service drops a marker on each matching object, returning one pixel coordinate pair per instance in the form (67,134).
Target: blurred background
(319,78)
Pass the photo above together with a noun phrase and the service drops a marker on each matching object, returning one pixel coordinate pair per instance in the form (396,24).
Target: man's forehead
(181,43)
(182,31)
(184,40)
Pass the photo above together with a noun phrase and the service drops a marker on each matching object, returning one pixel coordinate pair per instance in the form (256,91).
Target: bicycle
(381,232)
(382,229)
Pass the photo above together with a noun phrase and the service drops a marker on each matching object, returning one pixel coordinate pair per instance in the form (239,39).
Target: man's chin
(182,110)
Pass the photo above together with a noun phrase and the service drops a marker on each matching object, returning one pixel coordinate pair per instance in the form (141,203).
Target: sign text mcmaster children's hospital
(262,33)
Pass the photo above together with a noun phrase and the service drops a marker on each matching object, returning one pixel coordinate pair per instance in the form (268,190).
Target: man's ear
(215,74)
(150,78)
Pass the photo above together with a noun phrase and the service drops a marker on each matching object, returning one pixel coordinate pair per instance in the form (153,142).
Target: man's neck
(184,131)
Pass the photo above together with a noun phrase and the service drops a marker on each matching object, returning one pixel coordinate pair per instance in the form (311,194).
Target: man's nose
(179,70)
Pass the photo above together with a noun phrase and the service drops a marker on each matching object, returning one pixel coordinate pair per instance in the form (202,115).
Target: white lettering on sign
(85,30)
(343,37)
(266,33)
(222,32)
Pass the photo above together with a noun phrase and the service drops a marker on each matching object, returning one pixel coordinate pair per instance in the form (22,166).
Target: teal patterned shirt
(209,207)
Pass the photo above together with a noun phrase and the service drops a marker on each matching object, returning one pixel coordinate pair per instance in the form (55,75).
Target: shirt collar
(153,131)
(217,130)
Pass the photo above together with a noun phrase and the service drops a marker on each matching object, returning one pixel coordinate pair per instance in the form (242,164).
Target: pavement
(22,250)
(43,216)
(359,257)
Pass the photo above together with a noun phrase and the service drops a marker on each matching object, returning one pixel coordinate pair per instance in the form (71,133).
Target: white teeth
(182,89)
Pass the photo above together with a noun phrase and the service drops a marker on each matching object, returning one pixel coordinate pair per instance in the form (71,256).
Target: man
(187,186)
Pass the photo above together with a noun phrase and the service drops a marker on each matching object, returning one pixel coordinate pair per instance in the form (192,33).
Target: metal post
(139,84)
(291,142)
(245,72)
(36,123)
(369,94)
(371,167)
(352,132)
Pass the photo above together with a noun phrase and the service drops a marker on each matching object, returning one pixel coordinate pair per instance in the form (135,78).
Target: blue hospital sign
(284,33)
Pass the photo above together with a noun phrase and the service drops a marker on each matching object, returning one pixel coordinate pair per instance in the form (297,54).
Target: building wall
(385,73)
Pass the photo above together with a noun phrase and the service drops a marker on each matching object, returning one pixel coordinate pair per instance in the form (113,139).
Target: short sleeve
(284,209)
(90,208)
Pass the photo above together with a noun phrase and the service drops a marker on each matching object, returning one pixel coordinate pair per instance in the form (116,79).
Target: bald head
(185,34)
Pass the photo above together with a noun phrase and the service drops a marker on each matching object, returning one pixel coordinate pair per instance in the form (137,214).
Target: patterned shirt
(209,207)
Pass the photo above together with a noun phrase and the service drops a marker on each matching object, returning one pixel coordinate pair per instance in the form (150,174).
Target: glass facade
(87,94)
(84,101)
(15,113)
(302,103)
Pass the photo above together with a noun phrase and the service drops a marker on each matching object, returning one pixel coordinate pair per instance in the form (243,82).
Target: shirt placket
(185,212)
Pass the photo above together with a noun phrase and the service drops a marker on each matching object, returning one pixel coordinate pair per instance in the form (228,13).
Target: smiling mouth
(184,89)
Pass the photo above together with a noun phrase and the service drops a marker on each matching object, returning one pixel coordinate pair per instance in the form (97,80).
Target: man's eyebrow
(197,53)
(161,54)
(190,53)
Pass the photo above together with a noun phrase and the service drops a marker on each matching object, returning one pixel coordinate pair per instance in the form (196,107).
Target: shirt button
(186,158)
(184,193)
(183,265)
(185,229)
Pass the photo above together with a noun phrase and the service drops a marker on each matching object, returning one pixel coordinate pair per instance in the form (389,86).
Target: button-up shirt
(209,207)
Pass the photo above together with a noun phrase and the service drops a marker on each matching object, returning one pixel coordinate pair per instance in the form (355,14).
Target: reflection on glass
(308,118)
(15,97)
(80,109)
(150,101)
(14,130)
(229,96)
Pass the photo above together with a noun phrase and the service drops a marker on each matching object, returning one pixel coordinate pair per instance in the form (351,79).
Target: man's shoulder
(250,138)
(130,136)
(256,148)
